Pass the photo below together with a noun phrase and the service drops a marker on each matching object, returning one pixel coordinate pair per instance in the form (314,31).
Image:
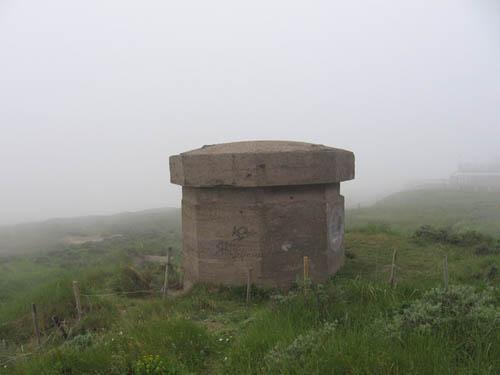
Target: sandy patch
(78,240)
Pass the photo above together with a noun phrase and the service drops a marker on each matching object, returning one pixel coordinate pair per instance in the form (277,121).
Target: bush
(447,235)
(81,341)
(459,308)
(293,355)
(486,249)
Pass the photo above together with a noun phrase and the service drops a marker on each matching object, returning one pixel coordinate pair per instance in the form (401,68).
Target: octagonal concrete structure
(262,205)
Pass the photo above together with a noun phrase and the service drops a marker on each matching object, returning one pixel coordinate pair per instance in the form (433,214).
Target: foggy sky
(96,95)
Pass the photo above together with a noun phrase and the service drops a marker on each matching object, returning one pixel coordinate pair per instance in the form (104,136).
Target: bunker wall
(269,229)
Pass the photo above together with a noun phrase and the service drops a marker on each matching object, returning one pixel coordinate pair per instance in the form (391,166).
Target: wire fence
(380,269)
(24,355)
(152,291)
(59,326)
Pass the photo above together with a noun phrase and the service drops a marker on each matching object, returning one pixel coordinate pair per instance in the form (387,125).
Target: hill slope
(408,210)
(30,237)
(41,252)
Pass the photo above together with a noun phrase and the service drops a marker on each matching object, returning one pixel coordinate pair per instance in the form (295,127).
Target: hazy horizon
(95,96)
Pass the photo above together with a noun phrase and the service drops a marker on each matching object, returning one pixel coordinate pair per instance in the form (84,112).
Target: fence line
(18,357)
(121,293)
(58,324)
(392,266)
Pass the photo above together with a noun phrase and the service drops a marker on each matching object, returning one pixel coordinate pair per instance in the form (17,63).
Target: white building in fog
(472,177)
(482,177)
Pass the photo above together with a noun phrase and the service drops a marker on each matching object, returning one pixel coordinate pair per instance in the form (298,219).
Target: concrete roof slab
(261,163)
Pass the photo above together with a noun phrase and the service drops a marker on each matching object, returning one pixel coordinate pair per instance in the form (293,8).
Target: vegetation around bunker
(353,323)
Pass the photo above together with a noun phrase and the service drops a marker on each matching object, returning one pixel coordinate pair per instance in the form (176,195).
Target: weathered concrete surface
(230,227)
(261,163)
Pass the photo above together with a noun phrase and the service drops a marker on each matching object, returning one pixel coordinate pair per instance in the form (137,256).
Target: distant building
(471,177)
(480,177)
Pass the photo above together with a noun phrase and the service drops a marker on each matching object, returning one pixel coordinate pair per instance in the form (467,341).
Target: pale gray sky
(95,95)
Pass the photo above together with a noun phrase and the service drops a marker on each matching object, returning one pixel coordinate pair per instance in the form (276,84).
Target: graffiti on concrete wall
(233,247)
(240,233)
(226,248)
(336,227)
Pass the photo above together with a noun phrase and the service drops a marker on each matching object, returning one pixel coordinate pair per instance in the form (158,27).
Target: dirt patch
(78,240)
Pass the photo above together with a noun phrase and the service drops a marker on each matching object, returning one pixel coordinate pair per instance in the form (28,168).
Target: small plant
(283,299)
(282,356)
(303,289)
(492,273)
(349,254)
(153,365)
(81,341)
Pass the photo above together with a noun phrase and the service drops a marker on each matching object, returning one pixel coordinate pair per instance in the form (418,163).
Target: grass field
(352,324)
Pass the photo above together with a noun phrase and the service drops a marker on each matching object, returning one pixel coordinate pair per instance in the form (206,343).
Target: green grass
(234,339)
(19,274)
(183,345)
(340,327)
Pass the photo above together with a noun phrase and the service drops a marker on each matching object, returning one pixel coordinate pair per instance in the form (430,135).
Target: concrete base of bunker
(229,228)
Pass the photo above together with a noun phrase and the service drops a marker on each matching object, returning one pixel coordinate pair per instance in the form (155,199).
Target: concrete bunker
(262,205)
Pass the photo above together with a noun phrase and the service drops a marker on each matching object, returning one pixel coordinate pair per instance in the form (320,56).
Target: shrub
(81,341)
(485,249)
(294,354)
(459,308)
(447,235)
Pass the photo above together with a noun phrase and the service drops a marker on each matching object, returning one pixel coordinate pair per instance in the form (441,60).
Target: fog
(96,95)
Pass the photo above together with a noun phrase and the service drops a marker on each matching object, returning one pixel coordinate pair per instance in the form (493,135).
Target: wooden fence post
(249,285)
(445,271)
(393,268)
(76,291)
(35,324)
(165,282)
